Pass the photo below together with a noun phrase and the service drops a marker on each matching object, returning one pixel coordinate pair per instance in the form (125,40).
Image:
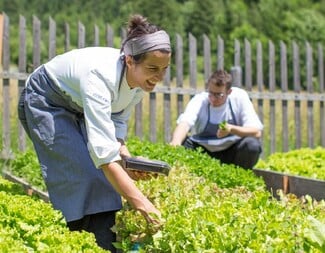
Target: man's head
(219,87)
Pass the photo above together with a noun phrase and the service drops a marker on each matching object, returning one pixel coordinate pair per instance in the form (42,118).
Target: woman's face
(149,72)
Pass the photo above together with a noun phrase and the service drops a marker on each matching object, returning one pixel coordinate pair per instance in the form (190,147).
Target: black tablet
(147,165)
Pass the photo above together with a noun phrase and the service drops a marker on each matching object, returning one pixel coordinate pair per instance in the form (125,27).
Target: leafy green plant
(206,207)
(30,225)
(305,162)
(201,217)
(222,125)
(197,162)
(25,165)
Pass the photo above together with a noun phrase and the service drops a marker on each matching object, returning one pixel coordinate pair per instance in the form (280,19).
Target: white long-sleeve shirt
(196,114)
(91,77)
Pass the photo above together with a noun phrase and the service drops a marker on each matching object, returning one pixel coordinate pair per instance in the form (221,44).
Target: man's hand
(224,131)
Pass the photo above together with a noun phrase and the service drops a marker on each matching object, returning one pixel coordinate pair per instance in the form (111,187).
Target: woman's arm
(125,186)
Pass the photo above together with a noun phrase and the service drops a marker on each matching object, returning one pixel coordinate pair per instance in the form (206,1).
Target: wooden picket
(293,115)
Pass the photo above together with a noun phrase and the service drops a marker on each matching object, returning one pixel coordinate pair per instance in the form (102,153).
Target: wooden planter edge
(294,184)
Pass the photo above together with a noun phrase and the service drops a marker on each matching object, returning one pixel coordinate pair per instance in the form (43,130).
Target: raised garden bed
(297,185)
(29,189)
(300,171)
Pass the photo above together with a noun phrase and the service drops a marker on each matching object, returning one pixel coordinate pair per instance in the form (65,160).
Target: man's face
(217,95)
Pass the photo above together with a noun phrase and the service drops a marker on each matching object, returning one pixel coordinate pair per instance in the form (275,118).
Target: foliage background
(299,20)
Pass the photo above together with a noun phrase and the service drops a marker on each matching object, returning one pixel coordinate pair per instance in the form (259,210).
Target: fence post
(297,87)
(66,37)
(272,118)
(52,38)
(179,71)
(21,83)
(321,90)
(96,36)
(284,88)
(236,76)
(109,36)
(207,58)
(310,104)
(6,89)
(36,42)
(81,35)
(248,66)
(260,87)
(193,60)
(167,109)
(1,37)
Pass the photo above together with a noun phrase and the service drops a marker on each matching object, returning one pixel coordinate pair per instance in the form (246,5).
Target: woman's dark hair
(138,26)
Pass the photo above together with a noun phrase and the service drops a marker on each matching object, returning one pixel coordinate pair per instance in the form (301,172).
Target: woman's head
(143,37)
(219,87)
(147,53)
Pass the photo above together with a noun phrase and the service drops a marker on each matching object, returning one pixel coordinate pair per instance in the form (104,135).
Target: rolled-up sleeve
(96,98)
(192,110)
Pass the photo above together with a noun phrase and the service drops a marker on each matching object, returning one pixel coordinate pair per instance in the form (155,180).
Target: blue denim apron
(56,127)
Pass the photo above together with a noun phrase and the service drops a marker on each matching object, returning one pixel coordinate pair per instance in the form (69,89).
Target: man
(223,122)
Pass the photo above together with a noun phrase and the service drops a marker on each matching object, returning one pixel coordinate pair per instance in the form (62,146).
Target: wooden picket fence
(293,117)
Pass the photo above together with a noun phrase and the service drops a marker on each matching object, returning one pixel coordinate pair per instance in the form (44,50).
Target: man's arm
(240,131)
(179,134)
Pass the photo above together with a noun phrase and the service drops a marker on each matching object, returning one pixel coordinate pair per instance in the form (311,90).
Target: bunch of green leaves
(222,125)
(197,162)
(26,166)
(201,217)
(305,162)
(30,225)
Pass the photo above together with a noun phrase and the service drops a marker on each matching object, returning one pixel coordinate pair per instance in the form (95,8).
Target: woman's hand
(140,175)
(124,152)
(125,186)
(151,214)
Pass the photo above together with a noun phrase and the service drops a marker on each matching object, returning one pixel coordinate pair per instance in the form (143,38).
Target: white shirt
(196,114)
(91,77)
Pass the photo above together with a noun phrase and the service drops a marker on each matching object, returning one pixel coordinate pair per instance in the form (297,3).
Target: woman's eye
(152,69)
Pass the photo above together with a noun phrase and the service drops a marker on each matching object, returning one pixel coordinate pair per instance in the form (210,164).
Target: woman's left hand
(140,175)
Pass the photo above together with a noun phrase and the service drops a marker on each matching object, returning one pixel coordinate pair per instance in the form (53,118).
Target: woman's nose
(160,75)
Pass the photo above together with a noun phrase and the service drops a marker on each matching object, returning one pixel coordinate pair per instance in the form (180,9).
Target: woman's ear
(128,60)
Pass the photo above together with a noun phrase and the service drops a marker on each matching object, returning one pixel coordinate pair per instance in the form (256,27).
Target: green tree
(163,13)
(202,18)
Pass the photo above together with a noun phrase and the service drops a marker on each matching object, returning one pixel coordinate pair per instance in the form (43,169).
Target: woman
(75,109)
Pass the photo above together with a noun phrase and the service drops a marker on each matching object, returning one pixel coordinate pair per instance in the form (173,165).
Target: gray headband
(149,42)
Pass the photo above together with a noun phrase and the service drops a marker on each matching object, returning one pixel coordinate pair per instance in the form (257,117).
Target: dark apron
(208,137)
